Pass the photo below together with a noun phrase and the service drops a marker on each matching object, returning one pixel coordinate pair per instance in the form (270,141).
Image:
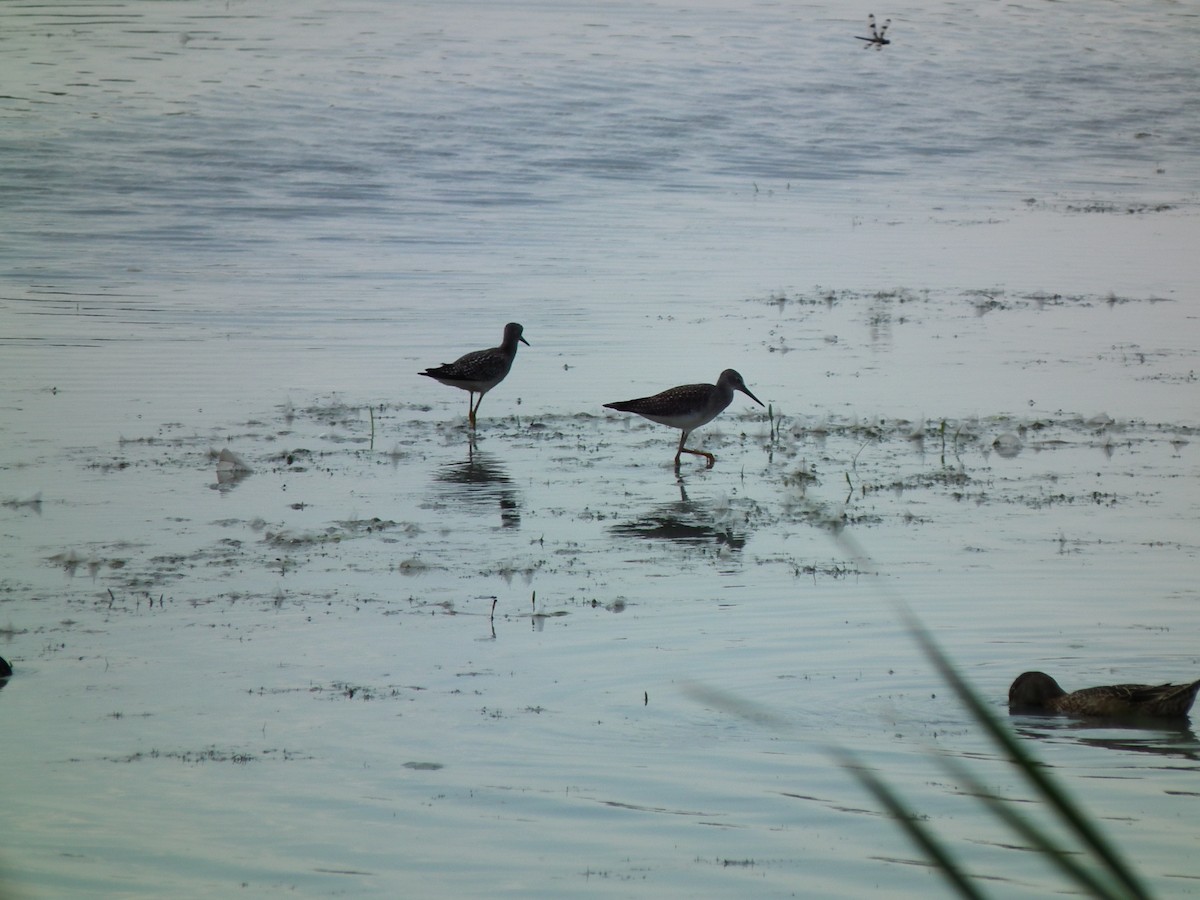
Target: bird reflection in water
(685,522)
(480,481)
(1170,738)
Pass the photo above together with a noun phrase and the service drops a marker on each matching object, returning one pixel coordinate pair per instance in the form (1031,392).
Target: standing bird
(481,370)
(1038,691)
(688,406)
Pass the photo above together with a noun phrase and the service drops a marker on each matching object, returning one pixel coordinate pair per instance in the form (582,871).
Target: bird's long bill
(523,341)
(746,391)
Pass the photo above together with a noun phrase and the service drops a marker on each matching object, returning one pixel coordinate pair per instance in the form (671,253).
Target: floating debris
(1007,445)
(231,468)
(34,503)
(228,461)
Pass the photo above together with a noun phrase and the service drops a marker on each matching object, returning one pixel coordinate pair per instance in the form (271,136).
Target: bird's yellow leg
(712,460)
(682,449)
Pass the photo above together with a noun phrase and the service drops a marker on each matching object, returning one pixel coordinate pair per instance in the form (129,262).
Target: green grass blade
(1034,772)
(1065,808)
(1036,837)
(920,835)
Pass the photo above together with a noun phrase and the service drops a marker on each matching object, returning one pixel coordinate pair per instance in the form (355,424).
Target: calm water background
(248,225)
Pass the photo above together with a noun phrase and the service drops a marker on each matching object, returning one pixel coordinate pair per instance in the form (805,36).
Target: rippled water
(393,661)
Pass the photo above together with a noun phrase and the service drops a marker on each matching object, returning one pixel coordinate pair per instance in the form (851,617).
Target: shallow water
(393,660)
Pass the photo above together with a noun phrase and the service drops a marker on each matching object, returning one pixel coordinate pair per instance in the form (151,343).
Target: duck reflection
(685,522)
(1160,737)
(481,481)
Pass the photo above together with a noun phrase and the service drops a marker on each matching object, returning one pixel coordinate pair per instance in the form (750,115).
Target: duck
(1037,691)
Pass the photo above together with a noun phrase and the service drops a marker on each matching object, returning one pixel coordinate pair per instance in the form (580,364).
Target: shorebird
(479,371)
(1038,691)
(688,406)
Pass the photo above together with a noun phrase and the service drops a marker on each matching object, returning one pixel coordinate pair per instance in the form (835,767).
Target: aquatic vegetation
(1093,866)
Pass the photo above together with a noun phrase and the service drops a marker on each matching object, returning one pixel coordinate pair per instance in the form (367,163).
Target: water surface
(396,660)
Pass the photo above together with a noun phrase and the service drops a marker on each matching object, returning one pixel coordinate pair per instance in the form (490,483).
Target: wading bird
(688,406)
(481,370)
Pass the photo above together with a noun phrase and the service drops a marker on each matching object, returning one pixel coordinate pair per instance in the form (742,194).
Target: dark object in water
(5,668)
(877,39)
(1037,691)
